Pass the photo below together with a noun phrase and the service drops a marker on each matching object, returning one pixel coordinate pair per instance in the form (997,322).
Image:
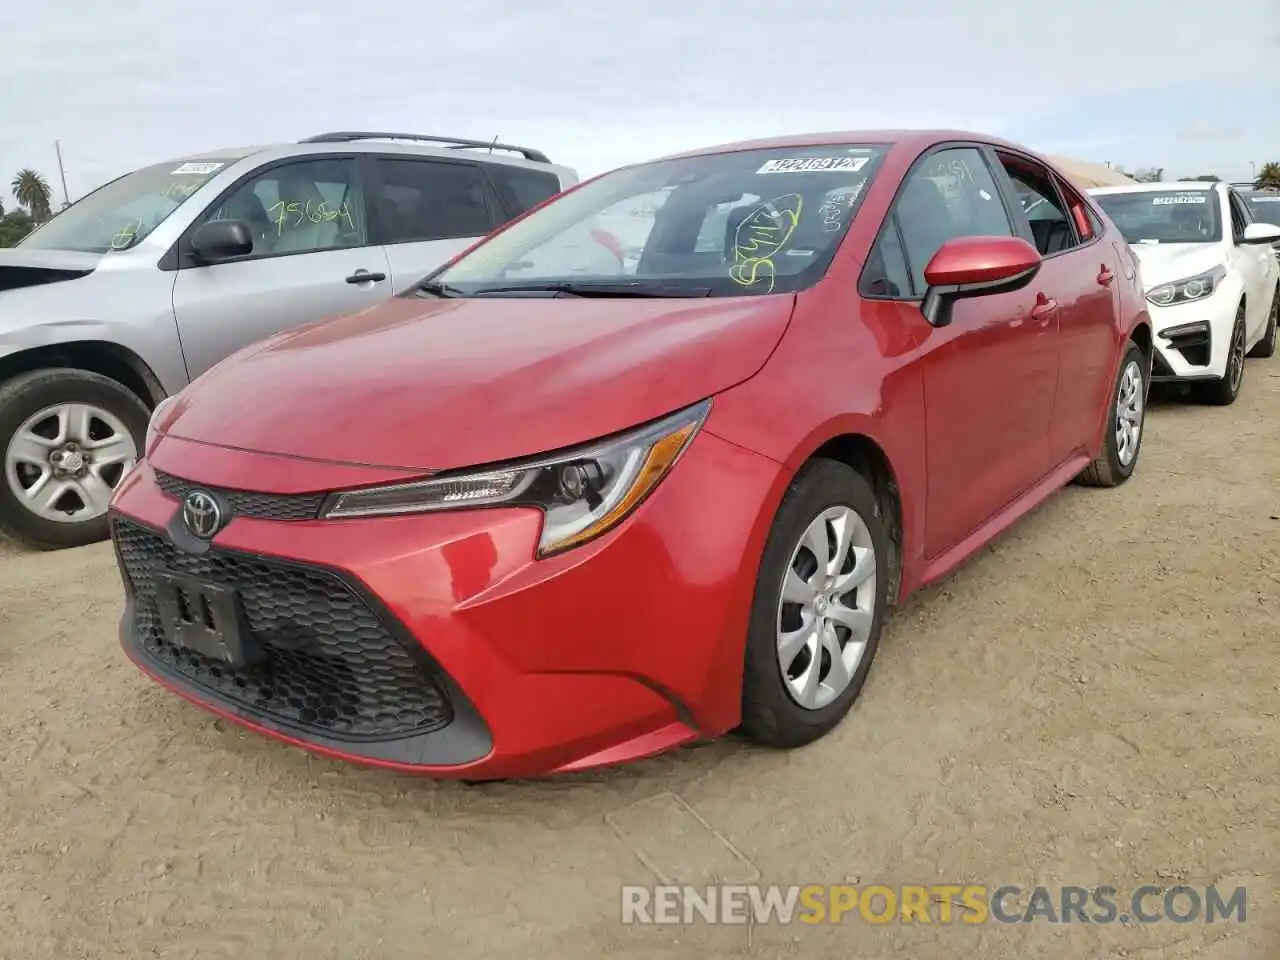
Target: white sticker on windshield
(1180,198)
(1264,199)
(196,169)
(814,164)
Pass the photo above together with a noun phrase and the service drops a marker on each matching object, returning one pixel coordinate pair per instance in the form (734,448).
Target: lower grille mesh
(331,665)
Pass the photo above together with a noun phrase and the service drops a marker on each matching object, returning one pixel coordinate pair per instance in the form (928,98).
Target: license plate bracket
(206,618)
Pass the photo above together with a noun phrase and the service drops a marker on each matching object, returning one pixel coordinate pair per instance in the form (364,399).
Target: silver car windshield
(729,224)
(123,212)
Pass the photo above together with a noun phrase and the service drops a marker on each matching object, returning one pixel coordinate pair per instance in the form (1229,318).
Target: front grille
(331,664)
(244,503)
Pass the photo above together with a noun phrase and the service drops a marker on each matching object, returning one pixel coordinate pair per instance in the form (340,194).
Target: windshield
(731,224)
(121,214)
(1265,207)
(1164,216)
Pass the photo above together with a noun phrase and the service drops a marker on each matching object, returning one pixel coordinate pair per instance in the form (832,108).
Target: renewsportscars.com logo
(934,903)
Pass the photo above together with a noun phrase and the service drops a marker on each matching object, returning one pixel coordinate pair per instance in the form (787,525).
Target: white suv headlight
(1186,291)
(582,493)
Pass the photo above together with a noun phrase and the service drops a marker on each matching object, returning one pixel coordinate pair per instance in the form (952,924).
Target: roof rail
(453,143)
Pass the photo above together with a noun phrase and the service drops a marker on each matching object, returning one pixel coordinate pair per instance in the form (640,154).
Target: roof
(843,137)
(1163,187)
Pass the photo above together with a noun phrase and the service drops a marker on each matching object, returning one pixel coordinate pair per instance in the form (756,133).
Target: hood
(1166,262)
(439,384)
(30,268)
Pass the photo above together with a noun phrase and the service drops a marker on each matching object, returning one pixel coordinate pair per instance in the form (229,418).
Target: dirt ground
(1092,700)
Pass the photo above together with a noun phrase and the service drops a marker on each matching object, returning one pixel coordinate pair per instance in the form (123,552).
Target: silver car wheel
(827,607)
(64,462)
(1130,407)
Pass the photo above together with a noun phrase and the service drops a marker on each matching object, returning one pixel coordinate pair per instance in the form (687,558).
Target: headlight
(582,493)
(1185,291)
(156,416)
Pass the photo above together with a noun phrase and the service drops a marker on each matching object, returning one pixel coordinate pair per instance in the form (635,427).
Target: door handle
(364,276)
(1044,308)
(1105,276)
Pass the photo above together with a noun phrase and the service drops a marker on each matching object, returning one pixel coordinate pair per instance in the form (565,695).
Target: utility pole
(66,199)
(1253,165)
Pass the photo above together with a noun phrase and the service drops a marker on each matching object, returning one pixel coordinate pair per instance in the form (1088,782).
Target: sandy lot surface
(1093,700)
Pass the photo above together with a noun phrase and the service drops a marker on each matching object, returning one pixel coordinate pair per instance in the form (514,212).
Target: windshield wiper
(572,288)
(437,289)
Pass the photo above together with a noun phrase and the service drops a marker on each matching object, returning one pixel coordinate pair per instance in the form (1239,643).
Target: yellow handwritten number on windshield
(759,237)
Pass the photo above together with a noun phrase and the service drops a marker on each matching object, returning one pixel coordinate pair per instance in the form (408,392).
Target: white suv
(1210,278)
(142,285)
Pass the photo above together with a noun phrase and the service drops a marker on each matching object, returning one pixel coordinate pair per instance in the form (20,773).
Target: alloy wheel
(1130,407)
(1235,360)
(64,462)
(827,607)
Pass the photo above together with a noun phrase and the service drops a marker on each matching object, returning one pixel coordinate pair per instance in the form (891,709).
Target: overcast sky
(599,83)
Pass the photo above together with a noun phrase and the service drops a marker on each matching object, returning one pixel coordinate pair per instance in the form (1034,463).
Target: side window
(1238,219)
(299,207)
(522,188)
(1084,219)
(1038,195)
(422,200)
(886,273)
(950,194)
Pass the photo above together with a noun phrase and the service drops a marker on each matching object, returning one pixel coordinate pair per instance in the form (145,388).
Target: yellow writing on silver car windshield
(760,236)
(287,214)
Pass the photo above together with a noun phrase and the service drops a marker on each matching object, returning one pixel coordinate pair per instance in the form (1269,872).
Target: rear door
(311,259)
(428,210)
(1079,275)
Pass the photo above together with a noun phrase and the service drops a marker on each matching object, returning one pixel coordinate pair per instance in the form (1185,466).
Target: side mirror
(219,240)
(1261,233)
(976,267)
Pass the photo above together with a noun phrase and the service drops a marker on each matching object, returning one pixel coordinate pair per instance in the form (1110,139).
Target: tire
(1266,347)
(772,715)
(1121,447)
(118,416)
(1223,391)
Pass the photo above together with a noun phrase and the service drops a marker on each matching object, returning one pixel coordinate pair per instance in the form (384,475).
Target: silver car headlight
(582,493)
(1189,290)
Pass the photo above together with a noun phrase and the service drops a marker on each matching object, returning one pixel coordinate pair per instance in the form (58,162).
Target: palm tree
(32,191)
(1268,176)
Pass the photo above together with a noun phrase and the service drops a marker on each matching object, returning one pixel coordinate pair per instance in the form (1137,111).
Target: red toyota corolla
(556,508)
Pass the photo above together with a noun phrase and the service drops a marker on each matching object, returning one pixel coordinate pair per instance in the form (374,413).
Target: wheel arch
(102,357)
(859,450)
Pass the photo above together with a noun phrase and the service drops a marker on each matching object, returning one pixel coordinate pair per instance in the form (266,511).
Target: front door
(311,260)
(988,376)
(1256,263)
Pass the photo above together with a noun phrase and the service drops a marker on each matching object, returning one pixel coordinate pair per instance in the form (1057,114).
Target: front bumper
(1192,339)
(436,643)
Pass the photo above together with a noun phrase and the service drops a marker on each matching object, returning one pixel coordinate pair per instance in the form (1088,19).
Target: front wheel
(67,437)
(1128,418)
(818,608)
(1223,391)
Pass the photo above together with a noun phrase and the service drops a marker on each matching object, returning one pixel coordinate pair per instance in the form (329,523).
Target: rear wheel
(67,439)
(1267,345)
(818,609)
(1223,392)
(1123,442)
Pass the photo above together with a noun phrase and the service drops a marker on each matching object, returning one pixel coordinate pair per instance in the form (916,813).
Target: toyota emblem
(201,514)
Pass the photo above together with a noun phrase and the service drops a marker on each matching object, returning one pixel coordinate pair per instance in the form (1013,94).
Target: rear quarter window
(522,188)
